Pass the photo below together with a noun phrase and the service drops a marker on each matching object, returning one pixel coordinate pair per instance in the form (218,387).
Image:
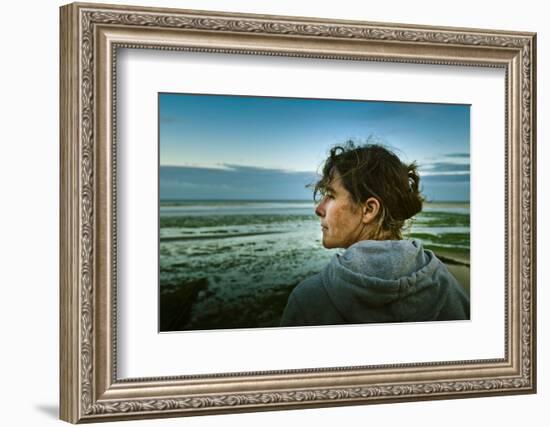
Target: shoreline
(448,256)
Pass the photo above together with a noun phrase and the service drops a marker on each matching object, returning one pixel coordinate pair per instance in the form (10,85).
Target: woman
(367,195)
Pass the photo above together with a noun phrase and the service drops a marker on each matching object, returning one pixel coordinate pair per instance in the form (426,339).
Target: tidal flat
(232,264)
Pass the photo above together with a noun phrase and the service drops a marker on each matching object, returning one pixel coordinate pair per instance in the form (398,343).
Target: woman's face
(341,219)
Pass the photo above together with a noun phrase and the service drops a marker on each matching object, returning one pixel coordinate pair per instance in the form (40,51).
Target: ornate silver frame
(90,36)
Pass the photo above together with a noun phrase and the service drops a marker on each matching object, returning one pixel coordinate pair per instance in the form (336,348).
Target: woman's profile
(367,195)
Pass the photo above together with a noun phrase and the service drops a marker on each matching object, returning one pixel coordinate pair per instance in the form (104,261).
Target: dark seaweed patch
(228,220)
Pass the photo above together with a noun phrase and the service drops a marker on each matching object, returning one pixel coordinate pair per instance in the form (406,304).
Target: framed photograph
(231,253)
(267,212)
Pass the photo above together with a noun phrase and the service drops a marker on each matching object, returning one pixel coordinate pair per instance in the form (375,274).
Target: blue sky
(236,147)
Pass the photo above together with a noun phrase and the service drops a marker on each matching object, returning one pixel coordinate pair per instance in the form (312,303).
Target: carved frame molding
(90,37)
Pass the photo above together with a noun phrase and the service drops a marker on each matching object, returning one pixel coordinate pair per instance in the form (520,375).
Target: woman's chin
(328,244)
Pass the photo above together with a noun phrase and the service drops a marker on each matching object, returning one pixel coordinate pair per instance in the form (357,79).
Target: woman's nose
(320,209)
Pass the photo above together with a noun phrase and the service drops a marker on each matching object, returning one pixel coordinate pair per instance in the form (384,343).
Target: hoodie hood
(397,280)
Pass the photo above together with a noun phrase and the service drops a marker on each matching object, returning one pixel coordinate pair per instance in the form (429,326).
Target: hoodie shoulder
(309,304)
(393,281)
(378,282)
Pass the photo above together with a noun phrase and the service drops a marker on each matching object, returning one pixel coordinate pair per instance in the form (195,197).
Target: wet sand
(462,275)
(459,265)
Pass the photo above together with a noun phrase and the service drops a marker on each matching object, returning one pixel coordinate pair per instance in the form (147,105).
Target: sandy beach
(462,275)
(458,264)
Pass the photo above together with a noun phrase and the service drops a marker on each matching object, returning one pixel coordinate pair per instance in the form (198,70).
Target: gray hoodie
(378,281)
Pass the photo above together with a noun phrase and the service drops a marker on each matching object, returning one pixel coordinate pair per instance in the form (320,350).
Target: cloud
(237,182)
(233,182)
(446,186)
(446,180)
(436,179)
(458,155)
(436,167)
(447,191)
(171,119)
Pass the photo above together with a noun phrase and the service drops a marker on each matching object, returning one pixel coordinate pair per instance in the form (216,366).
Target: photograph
(277,211)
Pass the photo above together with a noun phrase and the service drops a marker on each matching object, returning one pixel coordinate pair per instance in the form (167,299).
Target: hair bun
(414,199)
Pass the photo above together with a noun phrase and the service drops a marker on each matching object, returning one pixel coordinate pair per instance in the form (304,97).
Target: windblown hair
(372,170)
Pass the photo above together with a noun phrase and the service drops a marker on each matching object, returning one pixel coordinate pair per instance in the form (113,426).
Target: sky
(243,147)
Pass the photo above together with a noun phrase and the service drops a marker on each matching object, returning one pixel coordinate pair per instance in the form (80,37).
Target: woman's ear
(371,208)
